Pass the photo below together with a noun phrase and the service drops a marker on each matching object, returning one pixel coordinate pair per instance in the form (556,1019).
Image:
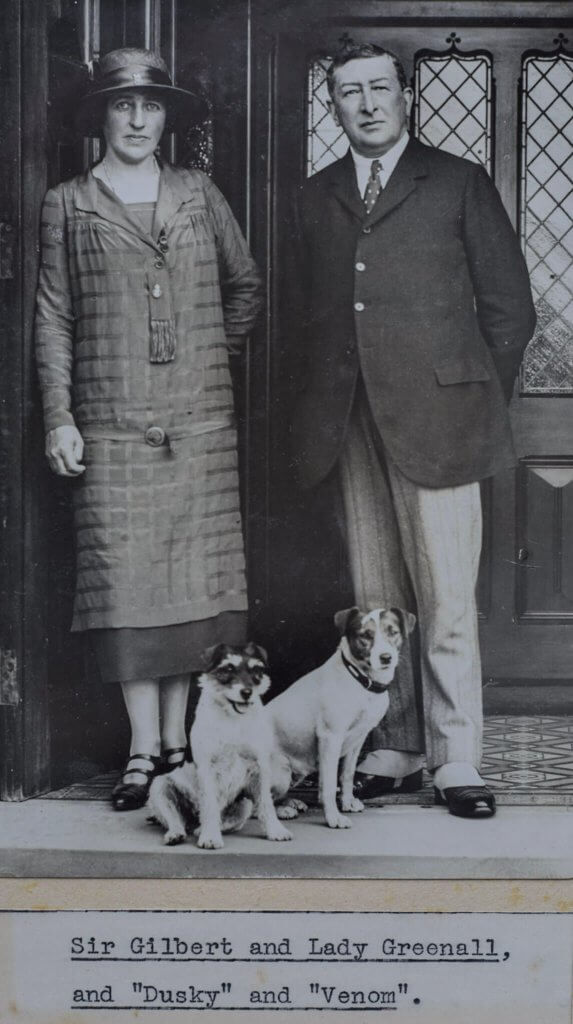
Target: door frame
(259,152)
(279,157)
(24,734)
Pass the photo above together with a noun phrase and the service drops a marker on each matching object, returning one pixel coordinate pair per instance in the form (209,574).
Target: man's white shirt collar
(363,164)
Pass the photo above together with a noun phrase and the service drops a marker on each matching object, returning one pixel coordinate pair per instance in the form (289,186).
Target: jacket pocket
(463,370)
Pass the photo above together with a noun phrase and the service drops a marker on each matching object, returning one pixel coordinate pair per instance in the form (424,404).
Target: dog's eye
(225,673)
(365,638)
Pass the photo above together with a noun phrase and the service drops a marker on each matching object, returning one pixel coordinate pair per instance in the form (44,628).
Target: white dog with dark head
(326,716)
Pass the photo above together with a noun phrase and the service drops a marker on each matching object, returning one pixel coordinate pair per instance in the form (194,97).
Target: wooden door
(497,89)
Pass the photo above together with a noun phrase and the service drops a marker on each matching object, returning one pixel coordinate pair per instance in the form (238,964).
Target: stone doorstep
(83,839)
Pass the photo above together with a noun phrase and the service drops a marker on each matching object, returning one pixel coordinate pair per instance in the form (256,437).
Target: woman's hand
(64,450)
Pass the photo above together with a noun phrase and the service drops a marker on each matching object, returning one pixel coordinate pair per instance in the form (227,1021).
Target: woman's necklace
(149,184)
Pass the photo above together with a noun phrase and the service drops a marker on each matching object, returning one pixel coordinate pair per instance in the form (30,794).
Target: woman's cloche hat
(127,69)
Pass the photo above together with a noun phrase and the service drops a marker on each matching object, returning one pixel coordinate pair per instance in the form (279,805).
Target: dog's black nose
(246,694)
(385,659)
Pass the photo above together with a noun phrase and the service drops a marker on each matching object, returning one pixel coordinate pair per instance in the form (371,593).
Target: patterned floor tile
(526,760)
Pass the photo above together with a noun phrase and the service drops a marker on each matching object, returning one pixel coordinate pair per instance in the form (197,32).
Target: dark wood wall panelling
(216,44)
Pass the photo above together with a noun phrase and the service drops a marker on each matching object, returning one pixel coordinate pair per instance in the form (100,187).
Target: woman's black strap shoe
(467,801)
(175,757)
(128,796)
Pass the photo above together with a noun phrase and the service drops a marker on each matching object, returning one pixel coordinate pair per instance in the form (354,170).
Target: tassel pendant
(162,342)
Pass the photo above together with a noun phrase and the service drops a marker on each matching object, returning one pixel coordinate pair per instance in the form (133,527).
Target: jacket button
(366,230)
(359,306)
(159,262)
(360,266)
(155,436)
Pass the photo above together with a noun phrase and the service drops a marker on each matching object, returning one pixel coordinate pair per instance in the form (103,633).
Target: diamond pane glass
(326,142)
(547,220)
(453,106)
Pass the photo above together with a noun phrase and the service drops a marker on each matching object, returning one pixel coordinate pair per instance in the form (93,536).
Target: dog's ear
(407,620)
(342,618)
(256,651)
(211,656)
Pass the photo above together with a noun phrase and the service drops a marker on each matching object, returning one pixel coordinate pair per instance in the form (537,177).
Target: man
(417,310)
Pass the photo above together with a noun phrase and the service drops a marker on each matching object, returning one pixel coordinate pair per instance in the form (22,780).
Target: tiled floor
(530,759)
(527,760)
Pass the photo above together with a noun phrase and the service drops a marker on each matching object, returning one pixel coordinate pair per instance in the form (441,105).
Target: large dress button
(155,436)
(360,265)
(359,306)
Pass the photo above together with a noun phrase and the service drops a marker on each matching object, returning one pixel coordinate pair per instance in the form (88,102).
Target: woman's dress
(132,334)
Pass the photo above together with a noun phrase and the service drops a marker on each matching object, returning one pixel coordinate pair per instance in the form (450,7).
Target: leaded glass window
(326,142)
(453,105)
(547,219)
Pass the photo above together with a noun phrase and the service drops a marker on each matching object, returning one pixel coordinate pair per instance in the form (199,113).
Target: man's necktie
(374,186)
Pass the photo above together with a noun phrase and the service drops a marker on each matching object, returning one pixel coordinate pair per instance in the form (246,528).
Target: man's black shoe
(467,801)
(368,787)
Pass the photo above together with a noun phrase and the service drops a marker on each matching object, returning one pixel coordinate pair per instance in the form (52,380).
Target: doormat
(527,760)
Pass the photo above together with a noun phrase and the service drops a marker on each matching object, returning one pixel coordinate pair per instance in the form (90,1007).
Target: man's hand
(64,450)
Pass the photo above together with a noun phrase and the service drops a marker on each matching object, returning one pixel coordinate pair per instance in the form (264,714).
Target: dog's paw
(286,811)
(291,808)
(279,835)
(210,842)
(338,821)
(173,838)
(353,805)
(299,805)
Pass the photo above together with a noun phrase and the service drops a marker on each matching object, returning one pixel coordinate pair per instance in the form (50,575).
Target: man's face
(370,105)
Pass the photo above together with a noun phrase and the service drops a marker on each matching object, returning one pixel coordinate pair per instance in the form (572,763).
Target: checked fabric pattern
(158,528)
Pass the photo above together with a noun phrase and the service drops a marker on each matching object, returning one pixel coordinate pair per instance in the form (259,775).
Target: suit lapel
(410,167)
(403,181)
(344,187)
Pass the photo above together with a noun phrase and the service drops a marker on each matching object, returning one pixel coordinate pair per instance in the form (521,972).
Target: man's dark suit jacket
(428,298)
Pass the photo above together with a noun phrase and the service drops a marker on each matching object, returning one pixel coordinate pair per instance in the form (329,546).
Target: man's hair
(354,51)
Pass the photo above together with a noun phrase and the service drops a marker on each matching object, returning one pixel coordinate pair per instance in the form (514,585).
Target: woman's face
(133,125)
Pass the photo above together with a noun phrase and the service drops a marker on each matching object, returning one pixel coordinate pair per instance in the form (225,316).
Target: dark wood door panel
(544,576)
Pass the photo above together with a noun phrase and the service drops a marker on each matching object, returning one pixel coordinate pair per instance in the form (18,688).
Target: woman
(145,284)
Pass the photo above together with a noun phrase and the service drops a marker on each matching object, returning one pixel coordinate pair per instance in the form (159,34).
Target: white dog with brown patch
(327,714)
(231,742)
